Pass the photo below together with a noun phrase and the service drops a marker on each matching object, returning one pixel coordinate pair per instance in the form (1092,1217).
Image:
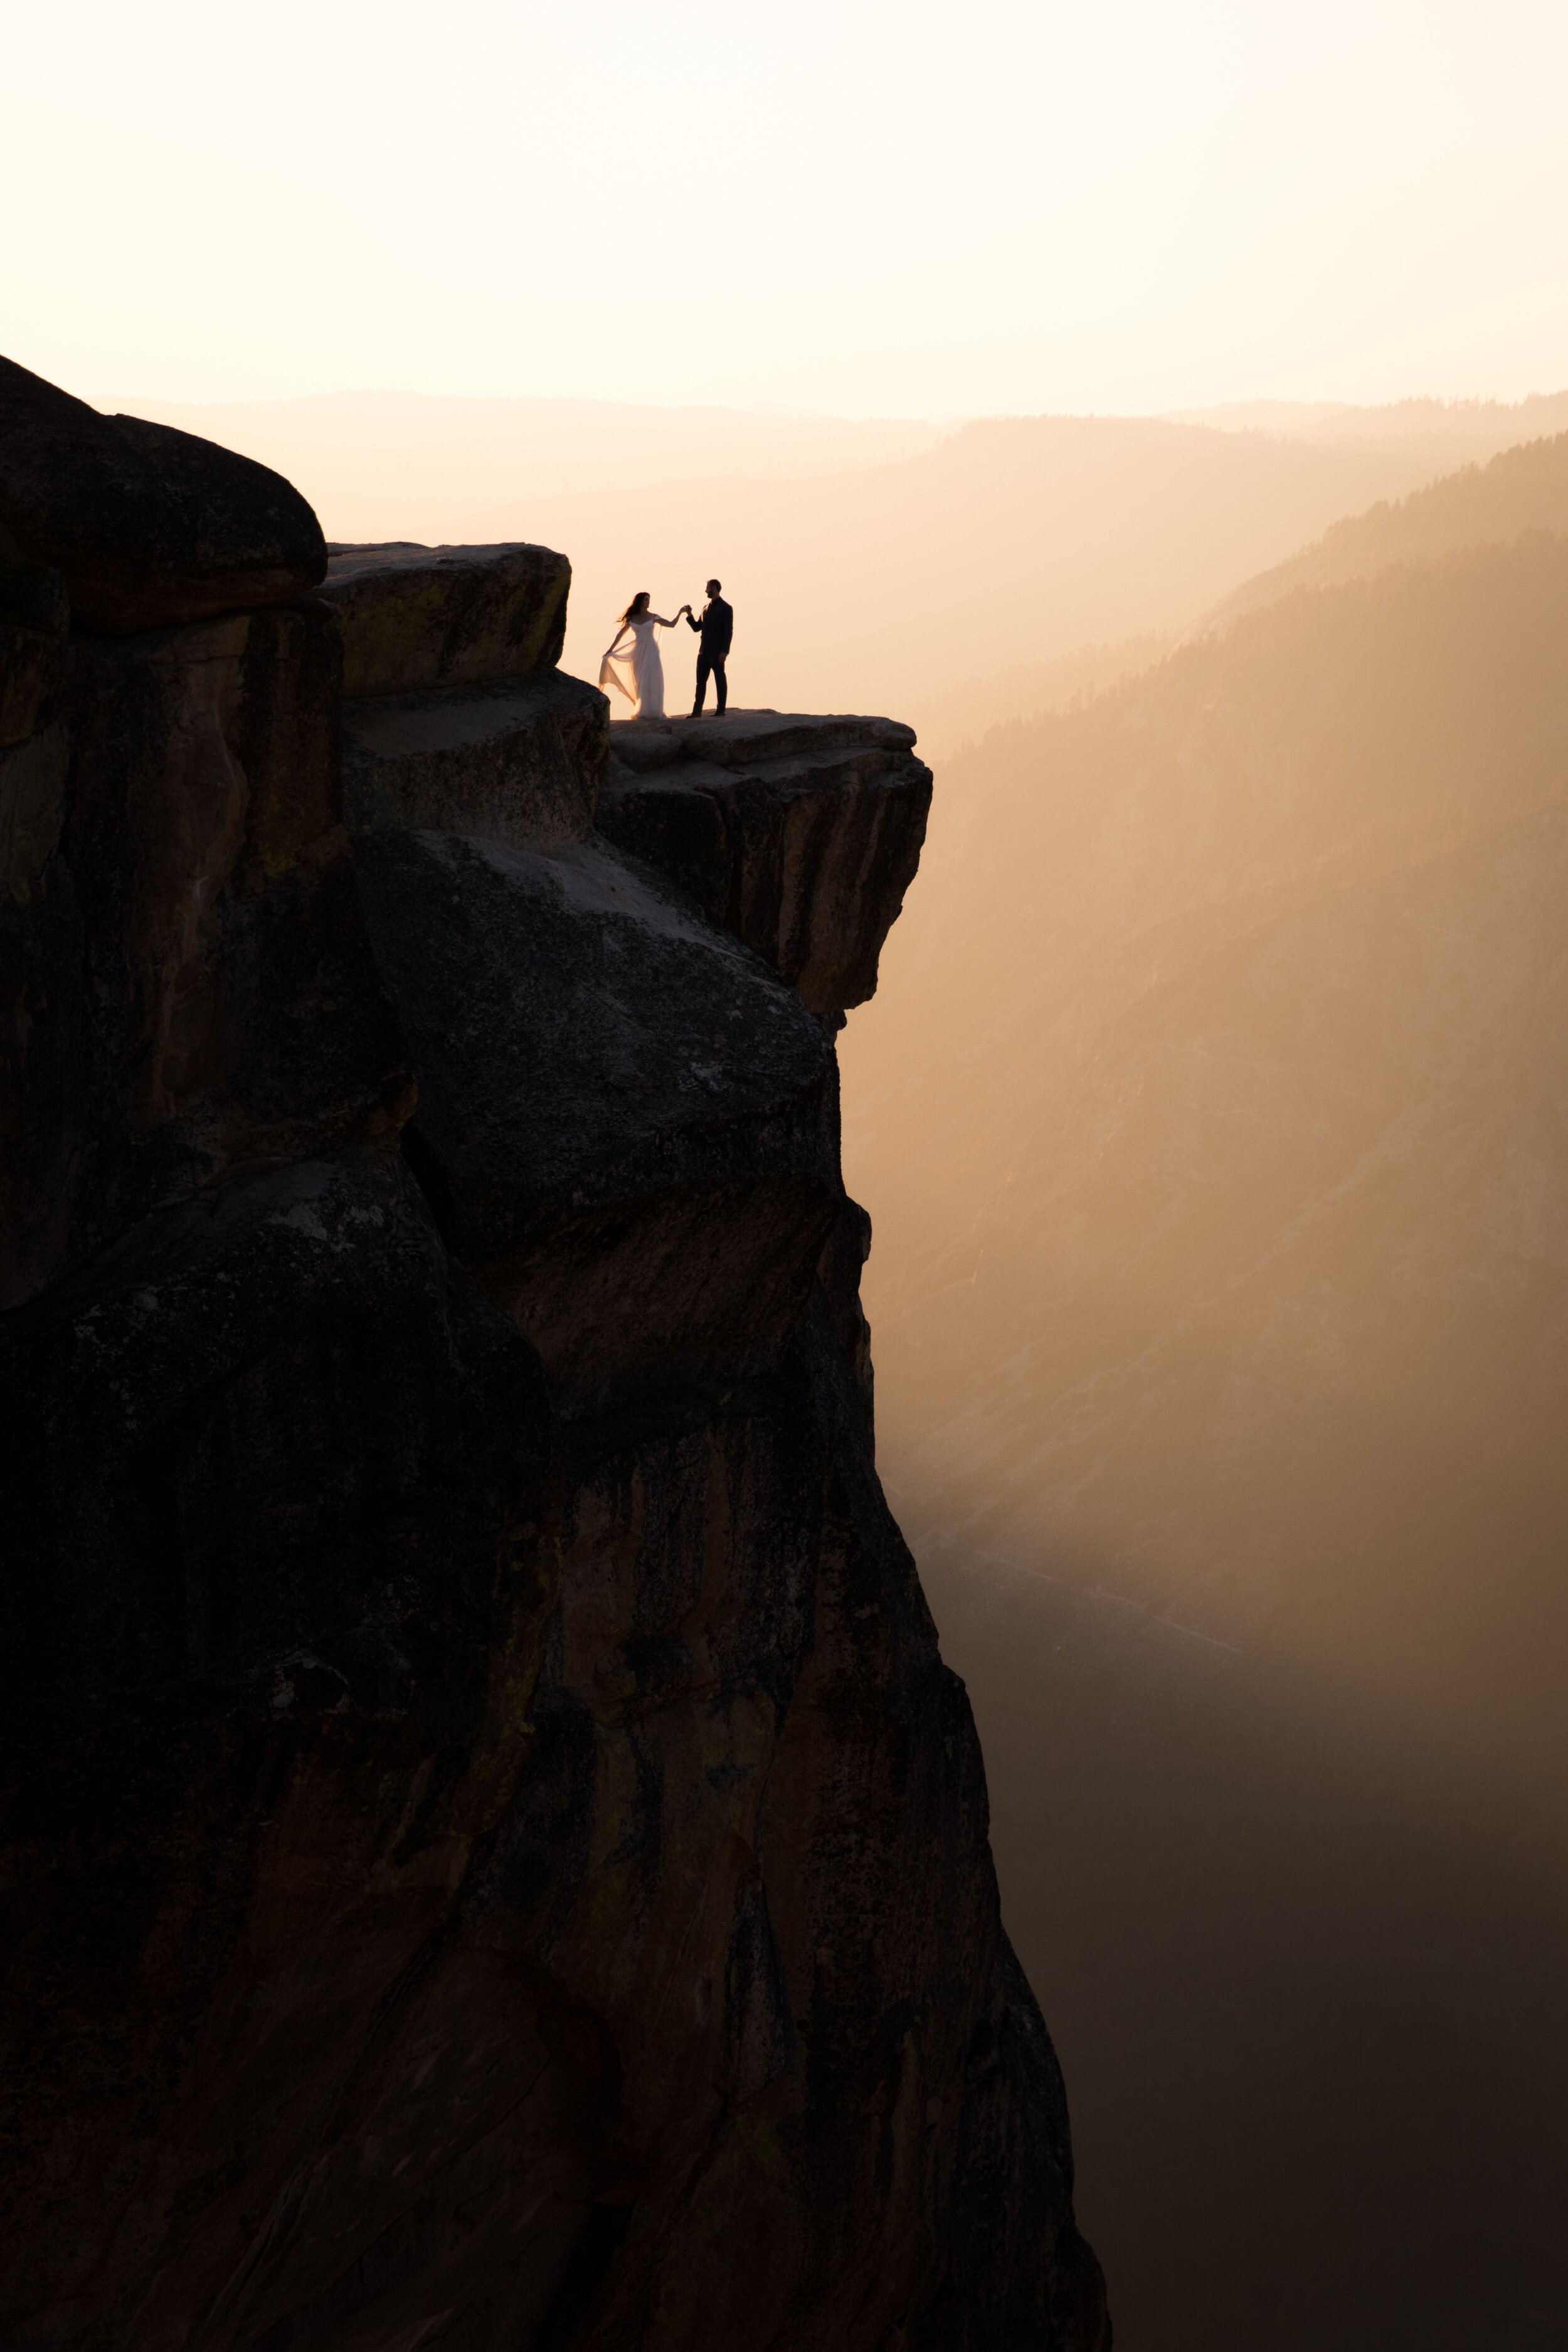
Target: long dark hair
(638,604)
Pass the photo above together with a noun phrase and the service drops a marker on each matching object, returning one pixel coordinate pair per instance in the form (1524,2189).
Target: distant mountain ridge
(1012,542)
(1523,490)
(1212,1122)
(960,714)
(970,573)
(1495,422)
(400,465)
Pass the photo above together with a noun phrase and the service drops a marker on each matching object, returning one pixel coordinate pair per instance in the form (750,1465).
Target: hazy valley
(994,567)
(1214,1124)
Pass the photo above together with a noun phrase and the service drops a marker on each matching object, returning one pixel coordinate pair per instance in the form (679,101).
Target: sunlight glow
(861,208)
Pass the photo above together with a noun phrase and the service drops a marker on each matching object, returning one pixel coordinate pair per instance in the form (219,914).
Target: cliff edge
(495,1858)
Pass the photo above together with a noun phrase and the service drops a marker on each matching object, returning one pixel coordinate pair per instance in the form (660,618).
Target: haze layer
(1214,1131)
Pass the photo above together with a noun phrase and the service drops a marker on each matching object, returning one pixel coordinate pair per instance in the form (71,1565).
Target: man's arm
(693,621)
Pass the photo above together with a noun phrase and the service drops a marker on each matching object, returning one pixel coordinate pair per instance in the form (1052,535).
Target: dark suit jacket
(716,627)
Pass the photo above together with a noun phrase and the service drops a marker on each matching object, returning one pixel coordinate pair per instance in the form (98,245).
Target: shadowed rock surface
(798,834)
(181,945)
(147,525)
(628,1122)
(415,617)
(496,1860)
(518,762)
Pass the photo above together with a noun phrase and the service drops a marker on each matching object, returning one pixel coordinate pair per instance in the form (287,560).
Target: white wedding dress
(636,669)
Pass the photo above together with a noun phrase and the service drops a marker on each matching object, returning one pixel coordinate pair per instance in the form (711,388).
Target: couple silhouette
(632,664)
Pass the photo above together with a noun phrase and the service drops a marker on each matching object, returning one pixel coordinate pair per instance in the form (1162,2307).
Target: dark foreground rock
(146,525)
(629,1125)
(479,1883)
(799,833)
(494,1860)
(518,763)
(415,617)
(182,948)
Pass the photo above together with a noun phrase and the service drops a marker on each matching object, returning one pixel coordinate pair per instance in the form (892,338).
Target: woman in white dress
(632,665)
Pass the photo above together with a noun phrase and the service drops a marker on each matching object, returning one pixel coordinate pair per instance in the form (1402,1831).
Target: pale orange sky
(850,205)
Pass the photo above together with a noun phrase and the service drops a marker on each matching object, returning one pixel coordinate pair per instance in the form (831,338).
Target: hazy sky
(844,204)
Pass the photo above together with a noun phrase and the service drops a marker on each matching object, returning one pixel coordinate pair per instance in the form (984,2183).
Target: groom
(715,628)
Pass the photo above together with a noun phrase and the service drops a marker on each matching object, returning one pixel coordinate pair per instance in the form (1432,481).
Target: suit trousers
(709,665)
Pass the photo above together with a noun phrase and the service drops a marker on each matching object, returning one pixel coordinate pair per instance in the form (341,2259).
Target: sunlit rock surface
(415,617)
(497,1860)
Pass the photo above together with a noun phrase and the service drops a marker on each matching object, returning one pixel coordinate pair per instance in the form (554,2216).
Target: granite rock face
(276,1591)
(518,762)
(415,617)
(799,834)
(145,524)
(182,950)
(629,1125)
(457,720)
(495,1860)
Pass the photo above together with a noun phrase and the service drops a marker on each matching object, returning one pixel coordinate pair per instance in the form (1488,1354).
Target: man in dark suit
(715,628)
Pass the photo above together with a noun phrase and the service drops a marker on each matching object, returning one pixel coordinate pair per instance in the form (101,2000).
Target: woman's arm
(661,622)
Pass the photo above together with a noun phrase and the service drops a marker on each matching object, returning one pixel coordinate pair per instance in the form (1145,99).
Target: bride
(632,665)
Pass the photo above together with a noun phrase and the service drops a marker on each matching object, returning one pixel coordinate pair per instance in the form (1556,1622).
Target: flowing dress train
(636,669)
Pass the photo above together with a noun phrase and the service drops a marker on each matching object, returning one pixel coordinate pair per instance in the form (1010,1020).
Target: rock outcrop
(456,719)
(497,1860)
(799,834)
(189,985)
(630,1129)
(144,524)
(518,762)
(415,617)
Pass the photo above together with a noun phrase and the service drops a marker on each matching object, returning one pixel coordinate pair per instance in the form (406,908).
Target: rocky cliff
(494,1857)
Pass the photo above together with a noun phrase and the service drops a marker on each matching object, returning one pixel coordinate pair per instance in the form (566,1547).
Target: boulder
(800,834)
(628,1128)
(518,763)
(146,524)
(182,957)
(415,617)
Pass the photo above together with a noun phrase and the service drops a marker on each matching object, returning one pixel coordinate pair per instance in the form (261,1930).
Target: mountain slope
(1214,1130)
(1521,489)
(398,465)
(1013,542)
